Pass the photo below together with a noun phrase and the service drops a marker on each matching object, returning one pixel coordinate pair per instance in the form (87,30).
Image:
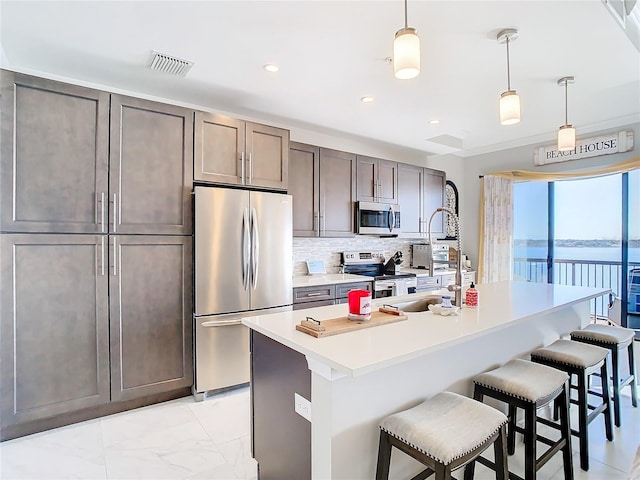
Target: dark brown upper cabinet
(150,174)
(420,193)
(323,184)
(54,156)
(377,180)
(64,170)
(235,152)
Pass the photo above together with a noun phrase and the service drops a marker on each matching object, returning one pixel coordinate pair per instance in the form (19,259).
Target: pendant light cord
(566,116)
(406,24)
(508,69)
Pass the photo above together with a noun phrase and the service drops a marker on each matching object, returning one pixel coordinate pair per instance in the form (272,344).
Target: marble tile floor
(182,439)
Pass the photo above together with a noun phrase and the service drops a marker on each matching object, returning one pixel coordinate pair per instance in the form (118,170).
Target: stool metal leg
(530,439)
(384,457)
(616,385)
(607,401)
(632,371)
(566,432)
(511,436)
(500,456)
(583,423)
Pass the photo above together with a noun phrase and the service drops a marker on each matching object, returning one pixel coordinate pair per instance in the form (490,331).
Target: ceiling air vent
(171,65)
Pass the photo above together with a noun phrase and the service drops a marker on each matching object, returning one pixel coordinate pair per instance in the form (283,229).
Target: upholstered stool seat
(581,360)
(615,339)
(443,433)
(530,386)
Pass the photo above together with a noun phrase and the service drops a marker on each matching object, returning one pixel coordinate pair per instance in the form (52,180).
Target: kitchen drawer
(310,294)
(342,289)
(427,283)
(447,279)
(468,278)
(318,303)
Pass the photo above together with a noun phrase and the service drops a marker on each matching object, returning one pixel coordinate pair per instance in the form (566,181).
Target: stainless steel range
(387,279)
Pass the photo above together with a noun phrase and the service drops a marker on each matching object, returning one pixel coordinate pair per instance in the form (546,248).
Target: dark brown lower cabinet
(55,325)
(88,321)
(150,315)
(281,439)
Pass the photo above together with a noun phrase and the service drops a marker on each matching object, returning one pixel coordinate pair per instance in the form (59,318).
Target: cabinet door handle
(101,202)
(316,223)
(115,257)
(323,225)
(315,294)
(242,171)
(115,212)
(250,161)
(102,256)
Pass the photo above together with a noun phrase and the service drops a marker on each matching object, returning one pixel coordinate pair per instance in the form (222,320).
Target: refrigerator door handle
(255,248)
(221,323)
(246,253)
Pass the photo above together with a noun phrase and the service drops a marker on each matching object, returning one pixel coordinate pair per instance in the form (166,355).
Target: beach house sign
(589,147)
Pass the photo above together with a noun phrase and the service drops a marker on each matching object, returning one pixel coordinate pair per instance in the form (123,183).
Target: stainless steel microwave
(377,218)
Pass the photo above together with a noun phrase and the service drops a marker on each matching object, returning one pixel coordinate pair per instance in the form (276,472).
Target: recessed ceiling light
(434,122)
(270,67)
(366,99)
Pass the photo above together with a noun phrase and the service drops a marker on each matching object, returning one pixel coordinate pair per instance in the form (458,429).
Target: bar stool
(530,386)
(581,360)
(443,433)
(615,339)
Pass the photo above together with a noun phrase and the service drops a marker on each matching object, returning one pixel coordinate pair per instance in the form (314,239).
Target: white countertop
(359,352)
(328,279)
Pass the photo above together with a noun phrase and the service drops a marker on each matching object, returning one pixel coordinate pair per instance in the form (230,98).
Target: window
(581,232)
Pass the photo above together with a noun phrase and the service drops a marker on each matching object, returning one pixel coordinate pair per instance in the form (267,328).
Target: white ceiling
(331,53)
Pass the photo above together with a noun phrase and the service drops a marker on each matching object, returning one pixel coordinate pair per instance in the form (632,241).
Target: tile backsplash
(329,249)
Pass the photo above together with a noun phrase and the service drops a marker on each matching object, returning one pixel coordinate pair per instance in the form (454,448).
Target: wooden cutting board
(339,325)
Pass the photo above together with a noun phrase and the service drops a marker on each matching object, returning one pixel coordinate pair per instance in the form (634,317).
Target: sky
(584,209)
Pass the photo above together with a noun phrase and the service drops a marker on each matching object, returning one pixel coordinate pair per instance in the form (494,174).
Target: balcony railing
(585,273)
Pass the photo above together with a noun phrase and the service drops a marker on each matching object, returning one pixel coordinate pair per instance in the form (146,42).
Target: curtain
(496,230)
(525,175)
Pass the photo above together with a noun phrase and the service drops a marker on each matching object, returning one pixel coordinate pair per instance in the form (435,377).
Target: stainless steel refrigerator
(243,266)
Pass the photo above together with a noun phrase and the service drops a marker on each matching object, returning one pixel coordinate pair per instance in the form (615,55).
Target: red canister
(359,304)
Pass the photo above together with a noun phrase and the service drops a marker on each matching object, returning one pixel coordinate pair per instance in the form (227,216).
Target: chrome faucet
(457,287)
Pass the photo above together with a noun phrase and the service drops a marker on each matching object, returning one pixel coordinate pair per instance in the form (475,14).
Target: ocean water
(611,254)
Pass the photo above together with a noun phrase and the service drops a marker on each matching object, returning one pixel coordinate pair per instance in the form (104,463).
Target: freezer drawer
(222,353)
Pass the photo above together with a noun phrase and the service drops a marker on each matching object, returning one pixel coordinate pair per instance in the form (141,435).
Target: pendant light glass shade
(406,51)
(566,138)
(509,100)
(406,54)
(509,108)
(566,133)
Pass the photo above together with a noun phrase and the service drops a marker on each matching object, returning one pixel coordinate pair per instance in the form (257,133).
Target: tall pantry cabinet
(95,249)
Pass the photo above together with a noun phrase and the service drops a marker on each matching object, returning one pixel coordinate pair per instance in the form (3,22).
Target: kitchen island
(355,379)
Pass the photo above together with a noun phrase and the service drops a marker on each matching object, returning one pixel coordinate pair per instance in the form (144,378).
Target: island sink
(421,305)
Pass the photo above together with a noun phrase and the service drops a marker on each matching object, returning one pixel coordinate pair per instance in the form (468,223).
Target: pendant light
(566,133)
(406,51)
(509,100)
